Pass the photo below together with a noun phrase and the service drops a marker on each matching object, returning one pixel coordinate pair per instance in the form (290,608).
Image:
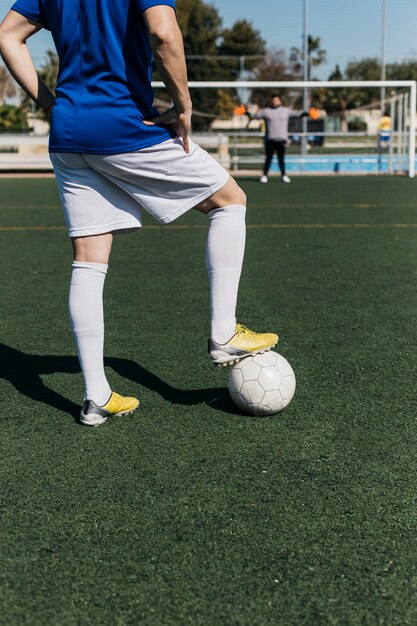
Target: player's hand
(48,111)
(180,124)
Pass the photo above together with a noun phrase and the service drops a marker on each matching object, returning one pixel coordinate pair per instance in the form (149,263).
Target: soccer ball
(263,384)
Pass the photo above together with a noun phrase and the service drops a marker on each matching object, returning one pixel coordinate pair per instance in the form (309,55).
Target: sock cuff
(230,209)
(87,265)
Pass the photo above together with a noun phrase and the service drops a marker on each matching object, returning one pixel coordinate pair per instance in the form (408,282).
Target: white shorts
(103,193)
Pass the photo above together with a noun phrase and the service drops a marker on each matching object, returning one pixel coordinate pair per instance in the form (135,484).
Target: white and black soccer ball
(263,384)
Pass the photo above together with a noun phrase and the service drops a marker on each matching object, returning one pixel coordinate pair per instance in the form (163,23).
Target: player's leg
(225,249)
(87,202)
(89,269)
(280,147)
(229,341)
(269,153)
(167,182)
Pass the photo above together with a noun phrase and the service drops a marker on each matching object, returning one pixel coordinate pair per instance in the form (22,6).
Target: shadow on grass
(24,372)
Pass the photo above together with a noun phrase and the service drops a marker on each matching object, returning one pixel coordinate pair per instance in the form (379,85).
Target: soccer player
(114,154)
(276,117)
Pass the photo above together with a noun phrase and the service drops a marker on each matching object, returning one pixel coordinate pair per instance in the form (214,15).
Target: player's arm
(168,53)
(15,30)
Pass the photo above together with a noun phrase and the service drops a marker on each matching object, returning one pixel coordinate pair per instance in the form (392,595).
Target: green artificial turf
(189,512)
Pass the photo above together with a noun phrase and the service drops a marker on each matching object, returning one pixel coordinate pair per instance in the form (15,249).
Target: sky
(349,30)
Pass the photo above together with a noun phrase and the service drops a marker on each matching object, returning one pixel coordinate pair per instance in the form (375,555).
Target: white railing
(226,143)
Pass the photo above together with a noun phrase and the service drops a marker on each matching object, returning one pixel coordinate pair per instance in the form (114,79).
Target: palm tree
(316,56)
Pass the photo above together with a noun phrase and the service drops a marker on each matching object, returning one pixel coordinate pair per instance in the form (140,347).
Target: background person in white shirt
(276,118)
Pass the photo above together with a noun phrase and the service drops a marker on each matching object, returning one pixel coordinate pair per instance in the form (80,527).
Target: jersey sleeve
(33,10)
(147,4)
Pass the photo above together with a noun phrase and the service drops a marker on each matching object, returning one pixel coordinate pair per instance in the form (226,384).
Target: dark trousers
(272,146)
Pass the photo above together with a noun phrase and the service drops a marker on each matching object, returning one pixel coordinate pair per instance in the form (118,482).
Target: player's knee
(231,193)
(92,249)
(240,196)
(234,194)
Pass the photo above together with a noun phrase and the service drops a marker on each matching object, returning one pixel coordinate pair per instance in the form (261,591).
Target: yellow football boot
(244,342)
(94,415)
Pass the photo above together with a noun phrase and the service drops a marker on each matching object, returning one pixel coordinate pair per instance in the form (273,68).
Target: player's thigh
(231,193)
(164,179)
(92,204)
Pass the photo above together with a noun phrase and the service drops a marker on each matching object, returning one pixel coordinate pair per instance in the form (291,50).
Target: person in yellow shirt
(384,130)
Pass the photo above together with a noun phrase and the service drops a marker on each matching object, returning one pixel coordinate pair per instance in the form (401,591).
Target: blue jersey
(104,84)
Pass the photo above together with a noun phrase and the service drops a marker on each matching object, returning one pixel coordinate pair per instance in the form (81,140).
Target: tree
(336,74)
(7,85)
(12,118)
(273,67)
(184,10)
(402,71)
(366,69)
(242,46)
(335,100)
(242,40)
(370,69)
(316,57)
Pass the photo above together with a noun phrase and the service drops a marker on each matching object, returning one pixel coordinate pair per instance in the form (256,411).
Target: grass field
(189,512)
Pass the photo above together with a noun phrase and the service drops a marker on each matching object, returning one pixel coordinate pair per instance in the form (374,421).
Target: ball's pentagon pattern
(287,387)
(284,367)
(272,401)
(250,370)
(270,378)
(263,384)
(252,392)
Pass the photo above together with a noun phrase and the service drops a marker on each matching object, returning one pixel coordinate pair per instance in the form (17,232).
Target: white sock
(87,321)
(225,250)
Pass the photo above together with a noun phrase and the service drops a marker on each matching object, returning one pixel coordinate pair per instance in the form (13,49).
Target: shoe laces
(242,330)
